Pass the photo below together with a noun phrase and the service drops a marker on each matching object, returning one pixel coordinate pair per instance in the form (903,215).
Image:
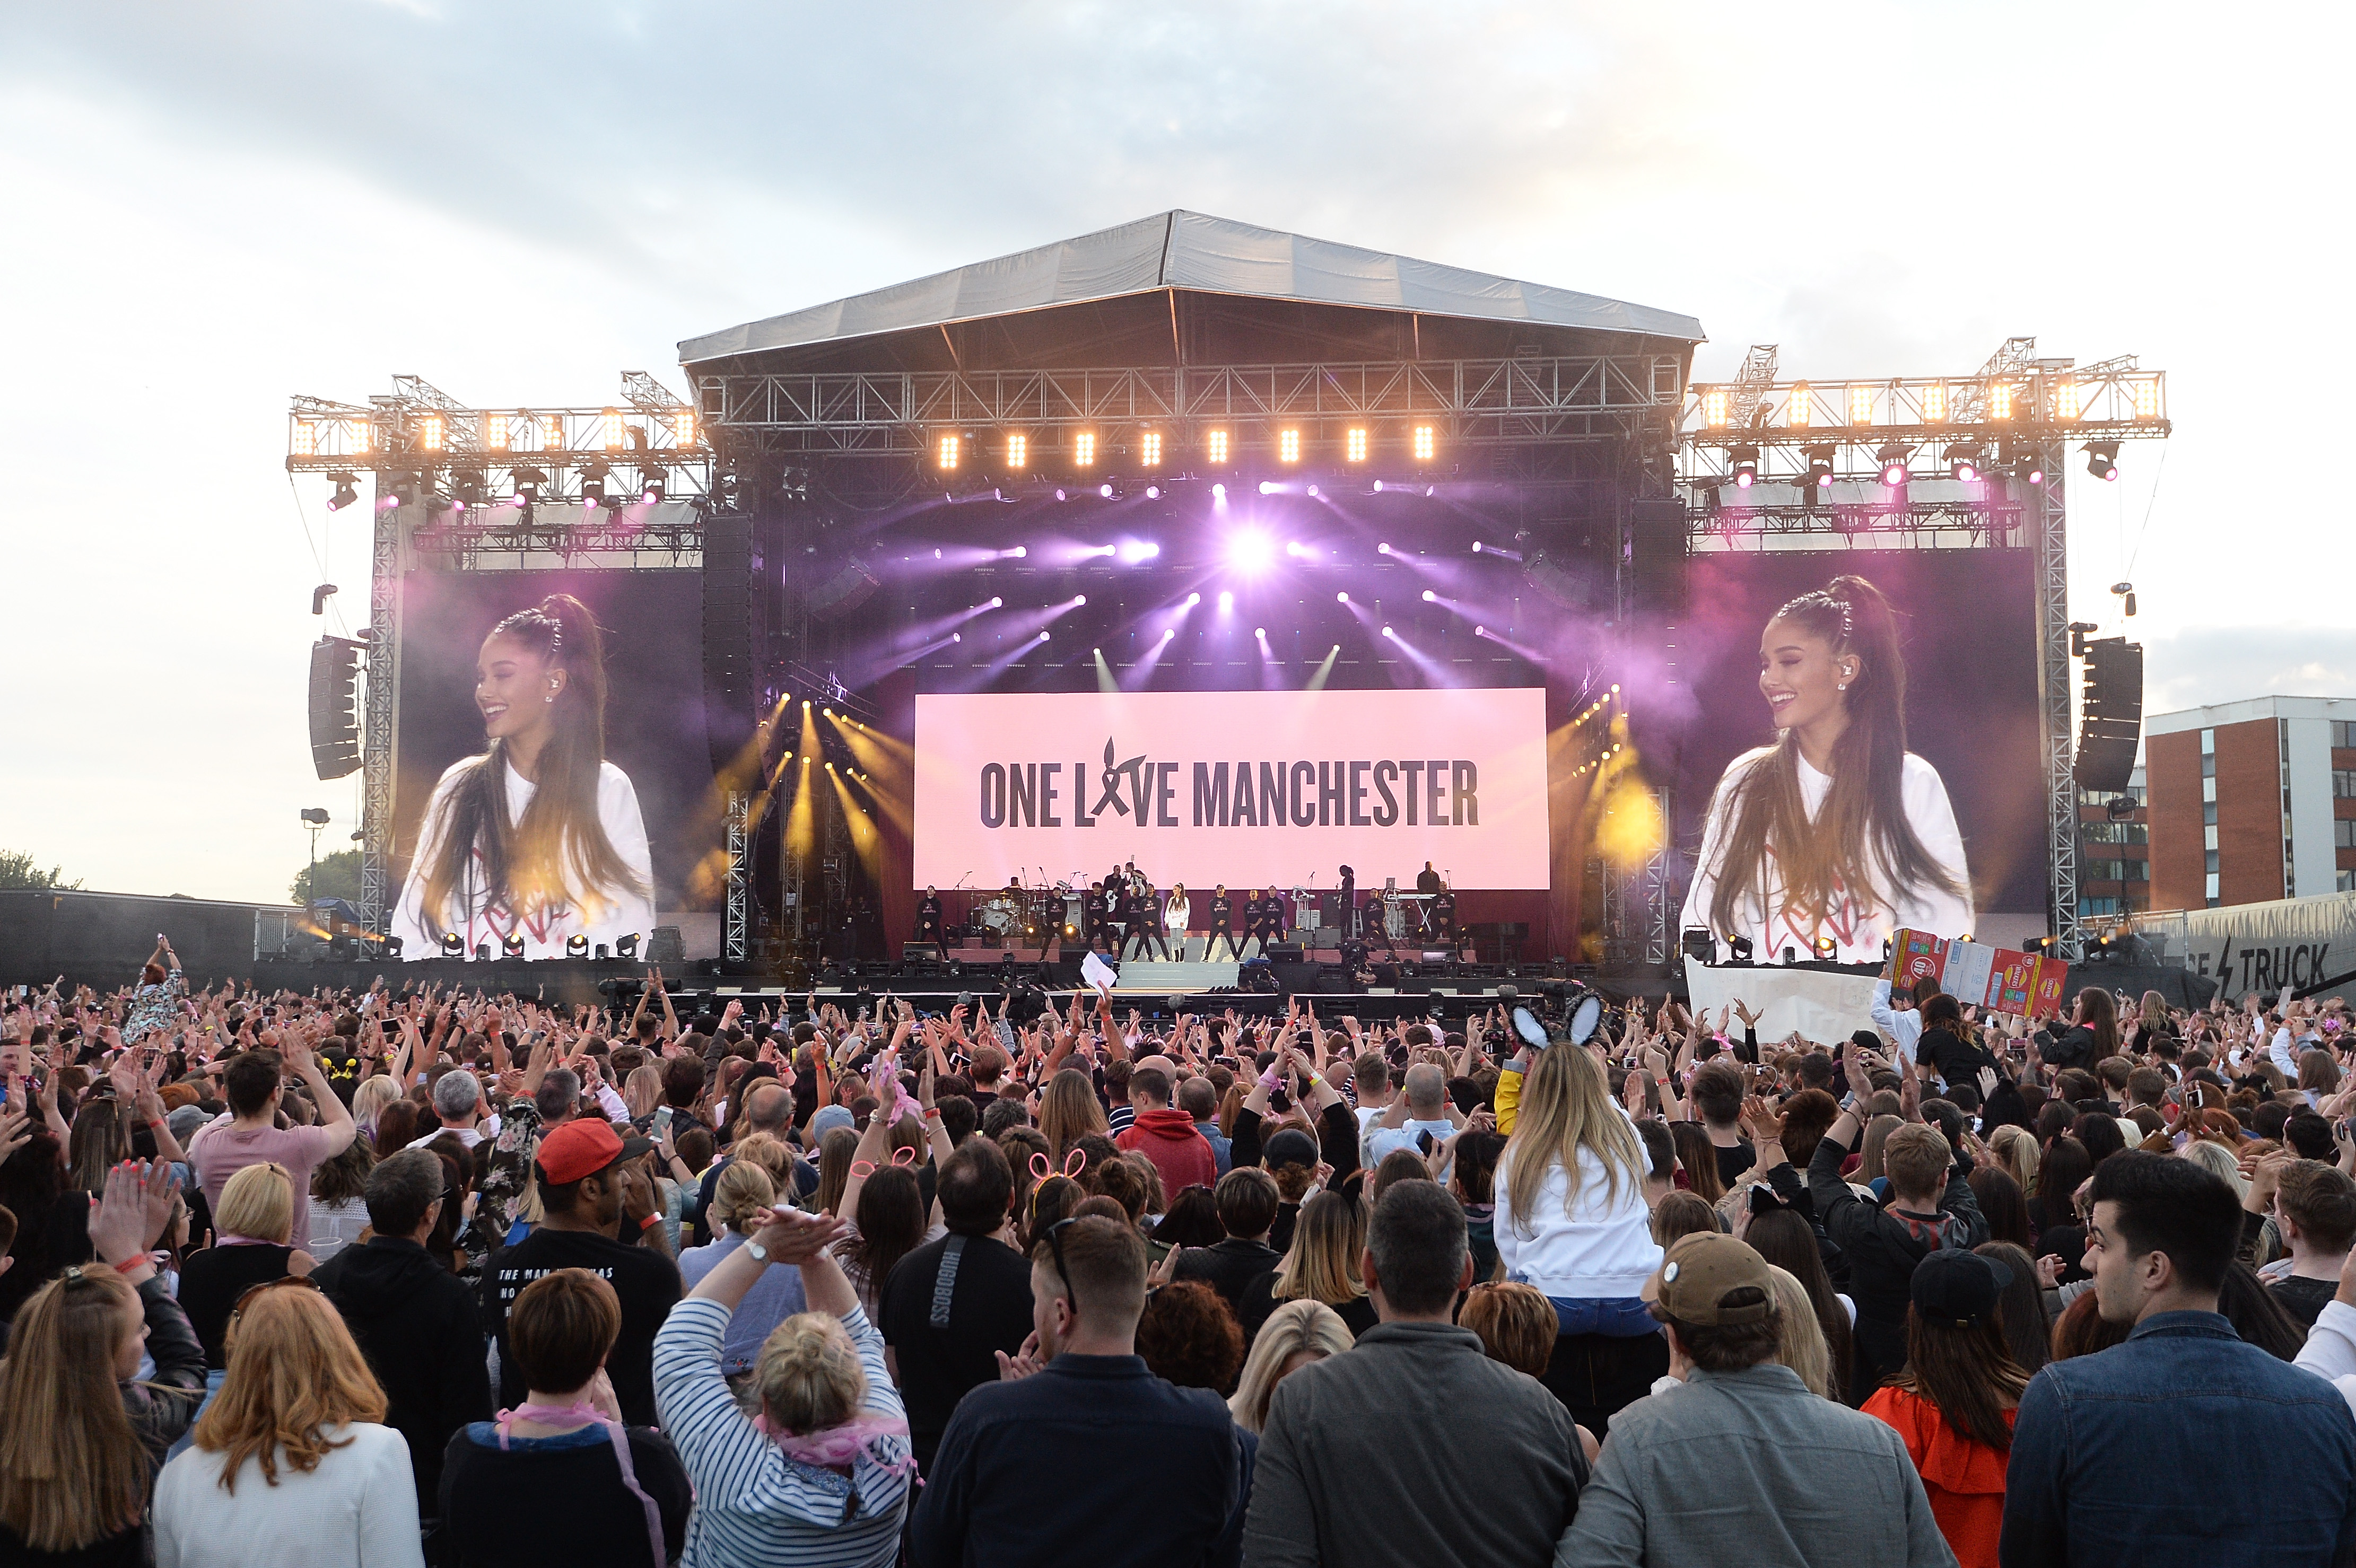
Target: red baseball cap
(582,1148)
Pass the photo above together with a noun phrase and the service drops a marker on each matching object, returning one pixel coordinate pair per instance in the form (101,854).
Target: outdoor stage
(1236,554)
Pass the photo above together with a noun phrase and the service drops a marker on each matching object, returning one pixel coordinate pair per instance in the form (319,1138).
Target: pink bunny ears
(1074,1162)
(904,1157)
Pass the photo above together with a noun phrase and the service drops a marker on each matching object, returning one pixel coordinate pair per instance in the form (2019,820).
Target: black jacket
(1228,1266)
(417,1323)
(1882,1251)
(2073,1047)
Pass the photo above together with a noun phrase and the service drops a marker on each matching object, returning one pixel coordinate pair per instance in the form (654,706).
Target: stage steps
(1168,979)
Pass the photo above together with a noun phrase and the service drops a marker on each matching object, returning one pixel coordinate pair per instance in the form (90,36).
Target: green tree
(17,871)
(339,877)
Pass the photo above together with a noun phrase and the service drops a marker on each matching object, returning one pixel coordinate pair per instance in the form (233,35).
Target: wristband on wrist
(649,1223)
(132,1262)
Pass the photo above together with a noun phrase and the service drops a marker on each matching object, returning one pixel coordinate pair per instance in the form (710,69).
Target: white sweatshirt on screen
(611,915)
(1858,927)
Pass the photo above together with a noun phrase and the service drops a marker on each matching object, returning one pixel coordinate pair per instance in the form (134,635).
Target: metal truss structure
(735,923)
(424,451)
(1815,455)
(1205,417)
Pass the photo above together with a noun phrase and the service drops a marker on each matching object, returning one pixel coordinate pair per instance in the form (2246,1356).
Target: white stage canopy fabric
(1190,251)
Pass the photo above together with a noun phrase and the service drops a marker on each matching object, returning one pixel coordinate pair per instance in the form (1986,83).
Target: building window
(2099,906)
(2117,833)
(2343,833)
(2210,862)
(2343,733)
(2211,889)
(2209,791)
(2208,743)
(2346,882)
(2343,784)
(2207,765)
(2209,814)
(2209,838)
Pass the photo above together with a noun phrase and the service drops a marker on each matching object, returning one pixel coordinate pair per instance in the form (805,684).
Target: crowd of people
(405,1276)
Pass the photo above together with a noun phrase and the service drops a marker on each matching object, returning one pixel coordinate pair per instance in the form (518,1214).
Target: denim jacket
(2182,1446)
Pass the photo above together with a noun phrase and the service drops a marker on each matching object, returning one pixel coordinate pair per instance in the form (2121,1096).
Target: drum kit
(1043,913)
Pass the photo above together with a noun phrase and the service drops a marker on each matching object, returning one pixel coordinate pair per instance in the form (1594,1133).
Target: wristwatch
(757,1252)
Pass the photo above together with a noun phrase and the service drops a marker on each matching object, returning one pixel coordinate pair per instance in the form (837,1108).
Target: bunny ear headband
(904,1157)
(1074,1162)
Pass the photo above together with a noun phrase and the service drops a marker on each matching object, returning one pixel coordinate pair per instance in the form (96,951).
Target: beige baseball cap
(1702,1270)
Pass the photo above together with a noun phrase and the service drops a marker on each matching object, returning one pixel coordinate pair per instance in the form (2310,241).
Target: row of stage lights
(600,486)
(1966,462)
(1935,401)
(1085,453)
(520,432)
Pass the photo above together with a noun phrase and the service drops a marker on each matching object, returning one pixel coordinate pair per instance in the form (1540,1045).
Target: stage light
(1820,468)
(465,490)
(1260,632)
(1999,400)
(1149,449)
(1962,463)
(511,945)
(1214,446)
(1192,600)
(1153,492)
(1799,408)
(1059,493)
(1079,600)
(1313,492)
(1745,460)
(593,483)
(306,439)
(1387,632)
(576,946)
(609,429)
(1429,597)
(1218,492)
(1892,459)
(945,454)
(1860,403)
(1383,549)
(1021,552)
(1934,403)
(2146,399)
(1426,443)
(2028,469)
(345,495)
(2067,399)
(1342,597)
(1480,631)
(429,433)
(1249,551)
(1043,637)
(994,604)
(1018,451)
(1353,445)
(551,432)
(1267,486)
(2103,459)
(1227,600)
(682,427)
(1287,447)
(453,945)
(495,431)
(1713,406)
(652,483)
(359,435)
(1084,449)
(1105,491)
(1828,949)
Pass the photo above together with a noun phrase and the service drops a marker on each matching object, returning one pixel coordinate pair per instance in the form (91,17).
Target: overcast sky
(210,207)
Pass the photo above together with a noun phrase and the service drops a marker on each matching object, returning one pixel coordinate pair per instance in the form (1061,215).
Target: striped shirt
(752,1504)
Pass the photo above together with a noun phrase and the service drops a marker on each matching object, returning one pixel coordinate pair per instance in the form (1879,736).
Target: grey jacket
(1412,1449)
(1750,1467)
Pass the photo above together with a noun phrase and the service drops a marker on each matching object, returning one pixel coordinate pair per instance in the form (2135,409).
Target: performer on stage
(1094,928)
(1835,830)
(1269,927)
(1427,880)
(1222,927)
(1349,903)
(539,835)
(1145,935)
(930,926)
(1121,904)
(1178,917)
(1444,916)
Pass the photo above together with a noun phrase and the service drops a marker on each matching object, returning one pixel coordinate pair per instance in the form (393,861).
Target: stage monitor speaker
(1286,953)
(2111,714)
(1548,578)
(729,701)
(1657,557)
(920,953)
(335,723)
(851,586)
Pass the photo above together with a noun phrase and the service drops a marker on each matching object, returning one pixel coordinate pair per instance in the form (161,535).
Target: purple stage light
(1249,551)
(1429,597)
(1227,600)
(1043,637)
(1480,631)
(1387,632)
(1342,597)
(1267,486)
(1105,491)
(956,636)
(1153,492)
(1382,550)
(1218,492)
(997,603)
(1260,632)
(1312,490)
(1079,600)
(1192,600)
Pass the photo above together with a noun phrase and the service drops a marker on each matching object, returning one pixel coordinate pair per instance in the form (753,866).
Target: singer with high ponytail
(1835,830)
(537,835)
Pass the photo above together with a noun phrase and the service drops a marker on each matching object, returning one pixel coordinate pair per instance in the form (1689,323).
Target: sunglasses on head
(250,1291)
(1055,1244)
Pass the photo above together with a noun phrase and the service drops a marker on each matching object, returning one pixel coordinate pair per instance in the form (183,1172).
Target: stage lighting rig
(2024,464)
(1964,463)
(2103,459)
(2127,596)
(344,493)
(593,475)
(1891,459)
(511,945)
(1820,467)
(1744,461)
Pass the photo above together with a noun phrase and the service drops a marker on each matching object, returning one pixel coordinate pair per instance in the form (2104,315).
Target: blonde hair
(1566,1107)
(743,1188)
(2016,1147)
(809,1374)
(258,1201)
(1069,1111)
(1327,1242)
(1877,1134)
(371,1097)
(2219,1161)
(293,1375)
(1292,1327)
(1801,1341)
(72,1471)
(642,1091)
(767,1154)
(1915,1158)
(1517,1323)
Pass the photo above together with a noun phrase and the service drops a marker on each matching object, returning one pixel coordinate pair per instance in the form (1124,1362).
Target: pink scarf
(836,1448)
(550,1415)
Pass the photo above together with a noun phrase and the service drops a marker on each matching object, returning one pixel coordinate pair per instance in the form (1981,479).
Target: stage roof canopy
(1119,271)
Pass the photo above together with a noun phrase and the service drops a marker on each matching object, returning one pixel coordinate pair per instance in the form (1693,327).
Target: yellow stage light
(946,454)
(1149,449)
(682,427)
(1934,403)
(495,431)
(1860,404)
(1215,446)
(2066,400)
(1999,400)
(1288,445)
(1799,408)
(551,432)
(306,439)
(1713,406)
(609,429)
(1354,445)
(360,441)
(429,433)
(1084,450)
(1018,451)
(2146,399)
(1426,442)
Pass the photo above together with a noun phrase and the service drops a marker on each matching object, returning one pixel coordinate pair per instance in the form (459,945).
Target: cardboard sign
(1996,978)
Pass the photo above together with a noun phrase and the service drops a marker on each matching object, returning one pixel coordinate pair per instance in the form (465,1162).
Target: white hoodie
(1601,1250)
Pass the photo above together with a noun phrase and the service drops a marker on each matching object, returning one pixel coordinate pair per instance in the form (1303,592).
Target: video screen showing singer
(1835,830)
(537,834)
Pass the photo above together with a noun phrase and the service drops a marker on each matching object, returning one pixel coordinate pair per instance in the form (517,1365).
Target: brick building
(2252,801)
(2114,854)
